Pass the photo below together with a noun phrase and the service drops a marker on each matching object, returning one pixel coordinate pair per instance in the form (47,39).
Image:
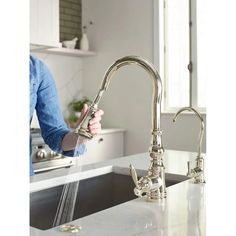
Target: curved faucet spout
(156,100)
(201,125)
(157,84)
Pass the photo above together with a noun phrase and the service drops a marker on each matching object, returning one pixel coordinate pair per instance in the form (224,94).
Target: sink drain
(70,228)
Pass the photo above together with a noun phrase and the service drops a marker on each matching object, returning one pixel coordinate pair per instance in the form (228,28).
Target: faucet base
(155,196)
(199,171)
(199,180)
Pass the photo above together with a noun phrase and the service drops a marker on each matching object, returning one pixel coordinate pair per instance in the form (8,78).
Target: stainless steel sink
(94,194)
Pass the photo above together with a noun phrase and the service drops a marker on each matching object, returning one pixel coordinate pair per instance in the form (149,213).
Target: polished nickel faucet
(196,173)
(153,185)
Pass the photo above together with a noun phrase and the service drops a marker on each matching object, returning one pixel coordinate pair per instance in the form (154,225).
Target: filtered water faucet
(198,172)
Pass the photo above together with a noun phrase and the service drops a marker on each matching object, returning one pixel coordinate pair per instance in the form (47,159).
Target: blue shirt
(44,99)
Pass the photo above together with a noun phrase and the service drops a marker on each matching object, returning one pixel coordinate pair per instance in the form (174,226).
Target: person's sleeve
(52,124)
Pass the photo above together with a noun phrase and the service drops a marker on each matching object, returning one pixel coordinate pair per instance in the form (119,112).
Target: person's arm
(51,121)
(53,127)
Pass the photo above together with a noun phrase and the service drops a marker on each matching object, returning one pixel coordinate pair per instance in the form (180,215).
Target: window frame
(159,7)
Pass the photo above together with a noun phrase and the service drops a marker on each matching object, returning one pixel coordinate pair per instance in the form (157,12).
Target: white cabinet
(107,145)
(44,23)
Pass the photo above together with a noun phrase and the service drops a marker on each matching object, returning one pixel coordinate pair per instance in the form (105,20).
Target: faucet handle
(143,185)
(189,169)
(134,175)
(138,190)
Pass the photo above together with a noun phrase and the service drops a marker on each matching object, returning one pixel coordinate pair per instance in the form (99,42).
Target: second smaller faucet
(196,173)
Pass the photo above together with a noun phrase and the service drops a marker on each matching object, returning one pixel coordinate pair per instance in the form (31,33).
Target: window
(181,52)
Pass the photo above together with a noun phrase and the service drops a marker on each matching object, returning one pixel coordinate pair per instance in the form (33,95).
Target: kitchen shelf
(66,52)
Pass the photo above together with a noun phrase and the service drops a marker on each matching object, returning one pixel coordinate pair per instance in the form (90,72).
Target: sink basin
(94,194)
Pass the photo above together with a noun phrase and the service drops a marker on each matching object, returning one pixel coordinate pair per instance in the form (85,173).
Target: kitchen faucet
(196,173)
(153,185)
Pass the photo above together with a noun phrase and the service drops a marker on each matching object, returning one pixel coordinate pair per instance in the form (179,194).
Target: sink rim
(81,175)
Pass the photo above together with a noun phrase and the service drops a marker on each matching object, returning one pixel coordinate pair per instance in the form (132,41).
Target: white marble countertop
(181,213)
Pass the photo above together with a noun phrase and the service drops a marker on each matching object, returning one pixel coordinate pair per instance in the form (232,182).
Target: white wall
(67,72)
(126,28)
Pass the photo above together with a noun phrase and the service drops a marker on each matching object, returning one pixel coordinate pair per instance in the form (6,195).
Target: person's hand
(71,140)
(94,123)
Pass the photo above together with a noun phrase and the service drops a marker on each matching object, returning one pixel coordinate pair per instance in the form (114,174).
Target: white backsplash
(67,73)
